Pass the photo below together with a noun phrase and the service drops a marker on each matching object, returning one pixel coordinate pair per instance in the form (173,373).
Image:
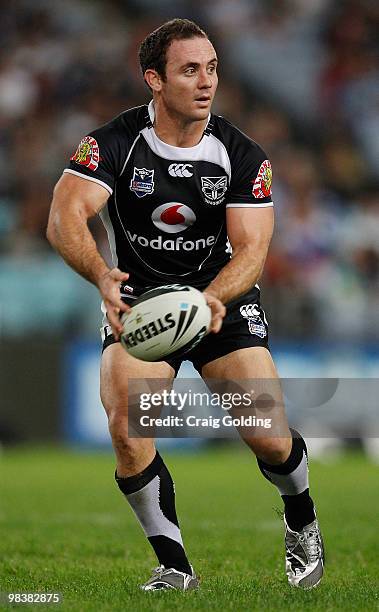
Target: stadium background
(298,76)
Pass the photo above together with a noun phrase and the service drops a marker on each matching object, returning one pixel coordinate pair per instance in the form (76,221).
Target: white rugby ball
(165,322)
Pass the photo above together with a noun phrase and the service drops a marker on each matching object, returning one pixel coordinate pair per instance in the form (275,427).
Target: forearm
(72,239)
(239,275)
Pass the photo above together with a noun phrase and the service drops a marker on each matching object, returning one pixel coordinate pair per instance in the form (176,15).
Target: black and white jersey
(165,216)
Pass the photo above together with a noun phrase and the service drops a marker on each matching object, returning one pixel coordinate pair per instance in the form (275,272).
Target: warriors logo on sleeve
(87,153)
(262,184)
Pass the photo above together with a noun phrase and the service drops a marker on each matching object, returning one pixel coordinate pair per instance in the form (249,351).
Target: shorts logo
(126,290)
(214,189)
(173,218)
(180,170)
(254,320)
(262,184)
(87,153)
(142,182)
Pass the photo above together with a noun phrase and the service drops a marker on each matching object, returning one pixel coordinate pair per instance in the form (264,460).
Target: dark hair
(152,52)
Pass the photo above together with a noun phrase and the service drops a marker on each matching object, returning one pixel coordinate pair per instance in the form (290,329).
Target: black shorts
(244,326)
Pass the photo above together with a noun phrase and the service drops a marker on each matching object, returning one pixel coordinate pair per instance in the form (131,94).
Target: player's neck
(175,131)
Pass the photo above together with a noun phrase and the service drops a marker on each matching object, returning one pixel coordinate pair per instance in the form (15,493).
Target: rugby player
(174,185)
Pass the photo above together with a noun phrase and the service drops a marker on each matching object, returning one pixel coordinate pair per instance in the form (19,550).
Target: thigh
(246,363)
(118,369)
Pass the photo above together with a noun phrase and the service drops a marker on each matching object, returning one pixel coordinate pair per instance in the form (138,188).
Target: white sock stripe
(145,504)
(294,483)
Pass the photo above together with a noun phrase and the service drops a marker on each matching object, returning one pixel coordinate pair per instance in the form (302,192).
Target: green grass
(66,528)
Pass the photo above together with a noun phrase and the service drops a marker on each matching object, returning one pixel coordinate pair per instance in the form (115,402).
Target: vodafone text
(172,245)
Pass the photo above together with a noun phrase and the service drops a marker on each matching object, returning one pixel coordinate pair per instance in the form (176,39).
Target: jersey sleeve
(99,156)
(251,178)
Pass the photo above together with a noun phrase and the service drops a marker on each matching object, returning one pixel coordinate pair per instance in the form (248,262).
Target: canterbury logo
(249,310)
(180,170)
(255,323)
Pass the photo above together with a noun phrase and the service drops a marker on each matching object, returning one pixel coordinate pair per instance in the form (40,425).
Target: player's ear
(153,79)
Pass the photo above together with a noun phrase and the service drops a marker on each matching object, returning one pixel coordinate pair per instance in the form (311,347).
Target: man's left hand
(218,311)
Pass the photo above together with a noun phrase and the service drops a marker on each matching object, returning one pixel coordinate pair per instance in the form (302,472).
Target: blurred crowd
(301,77)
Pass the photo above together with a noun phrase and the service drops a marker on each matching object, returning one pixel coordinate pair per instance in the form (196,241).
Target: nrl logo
(142,182)
(214,189)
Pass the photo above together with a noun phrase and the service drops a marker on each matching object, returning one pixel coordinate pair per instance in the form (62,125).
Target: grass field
(66,528)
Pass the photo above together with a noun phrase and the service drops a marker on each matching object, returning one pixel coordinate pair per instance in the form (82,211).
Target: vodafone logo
(173,217)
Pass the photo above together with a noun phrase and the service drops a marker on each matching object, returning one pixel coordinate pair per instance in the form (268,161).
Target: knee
(273,451)
(123,444)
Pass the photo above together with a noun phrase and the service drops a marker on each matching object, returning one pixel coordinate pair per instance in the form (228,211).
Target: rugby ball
(165,322)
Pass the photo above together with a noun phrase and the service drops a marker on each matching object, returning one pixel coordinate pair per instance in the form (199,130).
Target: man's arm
(249,231)
(75,201)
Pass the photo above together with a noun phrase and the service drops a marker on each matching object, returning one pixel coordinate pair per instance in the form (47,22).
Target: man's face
(191,78)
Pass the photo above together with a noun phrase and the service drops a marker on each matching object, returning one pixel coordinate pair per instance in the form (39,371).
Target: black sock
(291,478)
(151,495)
(299,510)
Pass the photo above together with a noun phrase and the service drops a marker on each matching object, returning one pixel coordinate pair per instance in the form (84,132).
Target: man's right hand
(109,287)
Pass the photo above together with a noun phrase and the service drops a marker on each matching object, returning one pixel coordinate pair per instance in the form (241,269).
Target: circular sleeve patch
(87,153)
(263,181)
